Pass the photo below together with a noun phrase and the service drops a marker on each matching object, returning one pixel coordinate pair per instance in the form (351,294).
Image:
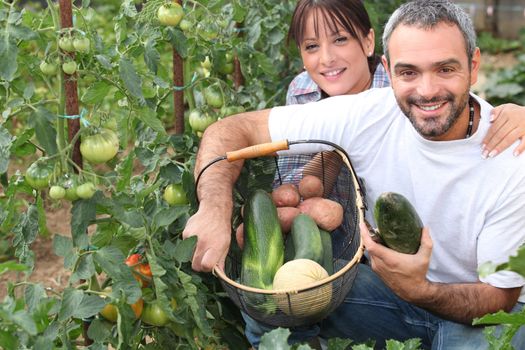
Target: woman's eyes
(338,41)
(310,47)
(341,39)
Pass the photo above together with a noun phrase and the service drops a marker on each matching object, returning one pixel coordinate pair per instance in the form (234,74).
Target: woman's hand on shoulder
(508,126)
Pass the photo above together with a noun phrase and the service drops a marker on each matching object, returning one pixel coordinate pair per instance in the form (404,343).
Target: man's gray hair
(427,14)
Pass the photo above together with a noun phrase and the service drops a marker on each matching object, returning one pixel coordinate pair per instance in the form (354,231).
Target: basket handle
(262,149)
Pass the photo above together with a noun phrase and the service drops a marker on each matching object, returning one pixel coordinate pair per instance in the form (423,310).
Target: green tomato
(174,194)
(231,110)
(101,147)
(170,14)
(111,124)
(82,44)
(213,96)
(66,44)
(39,174)
(185,25)
(57,192)
(48,68)
(69,67)
(71,193)
(154,315)
(86,190)
(70,185)
(226,68)
(199,122)
(228,57)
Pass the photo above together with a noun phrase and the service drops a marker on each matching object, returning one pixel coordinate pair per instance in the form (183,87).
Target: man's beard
(433,127)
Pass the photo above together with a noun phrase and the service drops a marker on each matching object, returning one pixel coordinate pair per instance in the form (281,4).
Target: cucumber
(398,223)
(327,261)
(306,239)
(263,252)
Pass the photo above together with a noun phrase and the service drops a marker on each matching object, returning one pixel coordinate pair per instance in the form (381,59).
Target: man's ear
(475,65)
(387,68)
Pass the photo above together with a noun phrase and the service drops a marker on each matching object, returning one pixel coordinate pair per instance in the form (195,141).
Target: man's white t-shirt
(474,207)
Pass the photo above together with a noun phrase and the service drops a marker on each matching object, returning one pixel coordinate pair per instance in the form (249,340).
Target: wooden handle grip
(262,149)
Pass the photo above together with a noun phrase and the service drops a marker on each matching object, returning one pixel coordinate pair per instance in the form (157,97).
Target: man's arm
(405,274)
(212,222)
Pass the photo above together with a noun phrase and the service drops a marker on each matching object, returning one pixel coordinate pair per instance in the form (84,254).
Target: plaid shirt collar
(303,89)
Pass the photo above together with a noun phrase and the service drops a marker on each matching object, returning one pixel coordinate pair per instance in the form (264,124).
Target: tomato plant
(86,190)
(199,121)
(100,146)
(48,68)
(170,14)
(141,270)
(126,85)
(154,315)
(57,192)
(81,44)
(66,44)
(174,194)
(110,311)
(213,96)
(69,67)
(39,174)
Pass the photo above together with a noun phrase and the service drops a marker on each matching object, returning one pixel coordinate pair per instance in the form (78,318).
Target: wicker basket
(290,308)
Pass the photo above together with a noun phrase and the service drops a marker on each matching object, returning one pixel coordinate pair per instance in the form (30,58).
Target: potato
(327,213)
(286,195)
(311,186)
(286,216)
(327,166)
(239,236)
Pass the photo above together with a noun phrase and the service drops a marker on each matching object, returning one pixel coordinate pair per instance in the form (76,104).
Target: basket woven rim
(359,253)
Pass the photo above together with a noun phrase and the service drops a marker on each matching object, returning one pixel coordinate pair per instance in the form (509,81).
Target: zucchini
(398,223)
(327,261)
(306,239)
(263,252)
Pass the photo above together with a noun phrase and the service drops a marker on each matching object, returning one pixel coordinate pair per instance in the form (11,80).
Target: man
(421,139)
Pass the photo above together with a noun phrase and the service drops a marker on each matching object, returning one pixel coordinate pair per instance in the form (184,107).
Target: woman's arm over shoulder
(508,126)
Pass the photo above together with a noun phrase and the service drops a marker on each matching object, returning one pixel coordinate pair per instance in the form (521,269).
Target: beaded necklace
(470,118)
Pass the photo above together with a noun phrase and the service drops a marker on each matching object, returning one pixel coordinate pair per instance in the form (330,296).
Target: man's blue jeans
(372,311)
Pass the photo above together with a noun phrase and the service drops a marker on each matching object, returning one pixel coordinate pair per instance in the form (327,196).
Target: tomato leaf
(63,246)
(131,80)
(98,330)
(5,149)
(96,93)
(44,130)
(125,170)
(8,56)
(20,146)
(151,56)
(12,266)
(34,294)
(111,260)
(83,212)
(89,306)
(184,249)
(85,268)
(71,300)
(150,119)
